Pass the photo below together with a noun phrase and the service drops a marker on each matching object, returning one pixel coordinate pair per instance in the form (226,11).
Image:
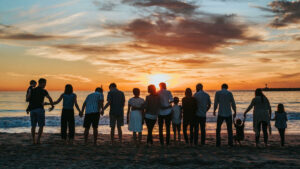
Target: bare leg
(95,135)
(33,135)
(39,135)
(86,135)
(112,134)
(134,137)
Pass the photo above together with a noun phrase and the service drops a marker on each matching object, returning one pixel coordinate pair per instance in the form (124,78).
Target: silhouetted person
(67,115)
(225,101)
(32,85)
(189,107)
(176,119)
(116,101)
(280,122)
(165,112)
(93,106)
(135,115)
(36,108)
(152,107)
(261,115)
(203,105)
(239,130)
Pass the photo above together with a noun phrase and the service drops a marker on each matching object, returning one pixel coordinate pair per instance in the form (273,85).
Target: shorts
(119,119)
(91,119)
(37,116)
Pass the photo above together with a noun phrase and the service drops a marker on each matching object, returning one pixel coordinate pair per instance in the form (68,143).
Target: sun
(158,78)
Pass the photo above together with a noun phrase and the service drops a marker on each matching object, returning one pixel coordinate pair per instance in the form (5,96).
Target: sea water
(13,117)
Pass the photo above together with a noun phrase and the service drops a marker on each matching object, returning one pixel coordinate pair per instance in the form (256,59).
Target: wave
(24,121)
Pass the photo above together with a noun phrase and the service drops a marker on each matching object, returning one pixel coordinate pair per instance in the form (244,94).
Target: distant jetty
(279,89)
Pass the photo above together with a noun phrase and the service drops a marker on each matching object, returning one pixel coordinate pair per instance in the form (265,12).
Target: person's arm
(108,102)
(171,99)
(128,111)
(28,95)
(100,107)
(208,104)
(270,109)
(216,103)
(249,108)
(233,105)
(76,104)
(82,109)
(51,102)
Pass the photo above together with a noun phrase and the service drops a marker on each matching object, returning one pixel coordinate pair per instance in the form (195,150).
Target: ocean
(13,118)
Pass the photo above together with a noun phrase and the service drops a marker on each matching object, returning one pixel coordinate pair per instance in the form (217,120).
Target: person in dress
(67,115)
(135,115)
(189,107)
(261,115)
(176,119)
(152,106)
(280,122)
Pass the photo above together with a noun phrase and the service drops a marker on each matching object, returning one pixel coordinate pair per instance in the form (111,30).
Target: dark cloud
(172,5)
(285,12)
(11,33)
(264,60)
(290,75)
(104,5)
(88,49)
(187,34)
(192,62)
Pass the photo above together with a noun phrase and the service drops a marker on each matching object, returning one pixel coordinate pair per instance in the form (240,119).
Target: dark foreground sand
(17,152)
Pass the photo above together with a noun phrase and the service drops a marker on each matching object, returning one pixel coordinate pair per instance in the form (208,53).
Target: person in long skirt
(135,115)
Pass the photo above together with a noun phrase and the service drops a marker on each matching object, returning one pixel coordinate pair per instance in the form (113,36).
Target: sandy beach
(17,152)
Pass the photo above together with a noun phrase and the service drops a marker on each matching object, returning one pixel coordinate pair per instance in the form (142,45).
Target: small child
(32,85)
(239,127)
(280,122)
(176,118)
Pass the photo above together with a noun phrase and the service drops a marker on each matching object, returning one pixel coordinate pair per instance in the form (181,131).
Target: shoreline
(18,152)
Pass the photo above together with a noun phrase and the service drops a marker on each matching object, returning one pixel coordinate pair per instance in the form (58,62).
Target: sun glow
(157,78)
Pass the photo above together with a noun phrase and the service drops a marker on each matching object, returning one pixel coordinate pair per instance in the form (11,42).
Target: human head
(176,100)
(188,92)
(258,92)
(112,86)
(162,85)
(238,121)
(32,83)
(199,87)
(152,89)
(224,86)
(280,108)
(68,89)
(136,92)
(42,82)
(99,89)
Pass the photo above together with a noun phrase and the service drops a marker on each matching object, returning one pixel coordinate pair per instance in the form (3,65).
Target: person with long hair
(67,115)
(189,108)
(261,115)
(152,106)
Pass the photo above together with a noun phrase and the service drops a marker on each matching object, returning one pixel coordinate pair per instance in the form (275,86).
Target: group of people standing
(158,106)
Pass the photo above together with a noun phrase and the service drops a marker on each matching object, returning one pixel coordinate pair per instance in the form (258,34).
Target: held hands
(102,112)
(214,113)
(80,113)
(51,108)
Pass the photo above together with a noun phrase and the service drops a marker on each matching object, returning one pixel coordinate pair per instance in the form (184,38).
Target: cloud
(289,75)
(68,77)
(264,60)
(285,12)
(175,6)
(104,6)
(8,32)
(186,34)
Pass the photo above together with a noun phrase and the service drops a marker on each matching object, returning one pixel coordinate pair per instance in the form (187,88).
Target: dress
(135,116)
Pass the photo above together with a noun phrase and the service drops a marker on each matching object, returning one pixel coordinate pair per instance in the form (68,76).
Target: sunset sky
(245,43)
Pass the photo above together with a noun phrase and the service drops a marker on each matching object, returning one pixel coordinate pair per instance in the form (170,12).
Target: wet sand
(17,152)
